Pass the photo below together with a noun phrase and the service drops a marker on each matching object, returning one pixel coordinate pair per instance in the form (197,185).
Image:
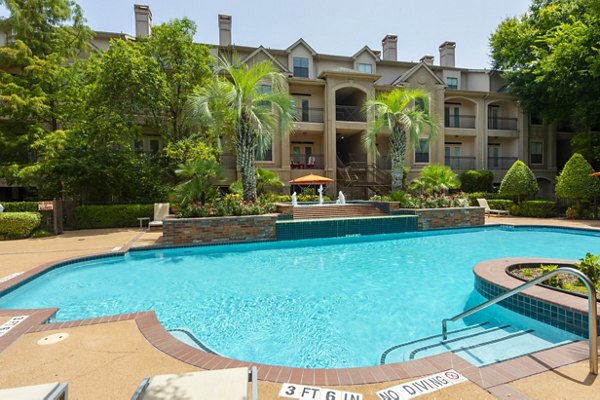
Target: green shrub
(111,216)
(500,204)
(476,181)
(17,225)
(20,206)
(575,182)
(535,208)
(282,198)
(518,182)
(590,265)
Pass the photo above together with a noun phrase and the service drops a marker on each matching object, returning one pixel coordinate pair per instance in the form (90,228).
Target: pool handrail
(592,308)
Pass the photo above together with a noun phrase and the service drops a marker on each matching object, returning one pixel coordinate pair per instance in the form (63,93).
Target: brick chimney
(447,54)
(224,30)
(389,45)
(143,20)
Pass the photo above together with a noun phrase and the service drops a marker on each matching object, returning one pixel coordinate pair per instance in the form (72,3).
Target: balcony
(461,163)
(459,121)
(504,124)
(309,115)
(349,113)
(307,161)
(501,163)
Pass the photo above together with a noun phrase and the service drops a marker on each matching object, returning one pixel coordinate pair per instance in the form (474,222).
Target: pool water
(326,303)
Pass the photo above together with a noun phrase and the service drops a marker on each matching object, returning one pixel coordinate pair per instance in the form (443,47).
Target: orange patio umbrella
(595,174)
(311,179)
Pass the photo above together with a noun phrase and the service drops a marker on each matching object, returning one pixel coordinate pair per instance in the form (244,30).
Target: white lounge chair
(223,384)
(161,211)
(47,391)
(483,203)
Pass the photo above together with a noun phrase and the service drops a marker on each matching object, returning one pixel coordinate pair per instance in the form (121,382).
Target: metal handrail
(592,308)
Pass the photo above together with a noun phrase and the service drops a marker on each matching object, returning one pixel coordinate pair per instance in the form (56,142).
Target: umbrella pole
(320,194)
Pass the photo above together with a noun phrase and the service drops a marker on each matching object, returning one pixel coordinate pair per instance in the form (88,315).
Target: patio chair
(483,203)
(310,163)
(161,211)
(47,391)
(223,384)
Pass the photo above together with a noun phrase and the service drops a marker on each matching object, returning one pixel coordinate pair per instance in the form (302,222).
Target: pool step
(479,344)
(336,211)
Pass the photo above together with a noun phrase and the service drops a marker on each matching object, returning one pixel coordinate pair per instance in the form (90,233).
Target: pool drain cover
(52,339)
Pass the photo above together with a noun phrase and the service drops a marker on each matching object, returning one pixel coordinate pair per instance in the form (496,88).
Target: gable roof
(408,74)
(363,50)
(262,50)
(301,42)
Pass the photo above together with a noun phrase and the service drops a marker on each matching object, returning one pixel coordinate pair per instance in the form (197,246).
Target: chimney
(224,30)
(447,54)
(143,20)
(377,53)
(389,45)
(428,60)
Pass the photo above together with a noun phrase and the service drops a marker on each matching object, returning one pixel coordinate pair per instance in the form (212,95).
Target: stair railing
(592,309)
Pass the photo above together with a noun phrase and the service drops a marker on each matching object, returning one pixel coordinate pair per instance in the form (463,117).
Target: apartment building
(480,124)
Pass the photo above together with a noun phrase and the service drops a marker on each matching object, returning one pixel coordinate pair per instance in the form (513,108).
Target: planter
(442,218)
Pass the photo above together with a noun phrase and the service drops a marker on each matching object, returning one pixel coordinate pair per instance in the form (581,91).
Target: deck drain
(52,339)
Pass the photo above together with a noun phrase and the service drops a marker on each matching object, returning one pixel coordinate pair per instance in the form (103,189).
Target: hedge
(535,208)
(18,225)
(111,216)
(20,206)
(476,181)
(501,204)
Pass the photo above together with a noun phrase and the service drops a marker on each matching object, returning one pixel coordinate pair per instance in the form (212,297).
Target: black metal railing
(461,163)
(349,113)
(460,121)
(307,161)
(500,163)
(309,114)
(505,124)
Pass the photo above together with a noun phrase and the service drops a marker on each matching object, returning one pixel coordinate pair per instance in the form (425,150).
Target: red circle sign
(451,375)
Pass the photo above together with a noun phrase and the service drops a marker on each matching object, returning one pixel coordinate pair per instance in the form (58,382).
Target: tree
(404,112)
(518,181)
(199,186)
(575,181)
(550,58)
(238,96)
(435,178)
(185,65)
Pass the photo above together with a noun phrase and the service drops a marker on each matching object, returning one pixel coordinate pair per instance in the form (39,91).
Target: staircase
(336,211)
(480,344)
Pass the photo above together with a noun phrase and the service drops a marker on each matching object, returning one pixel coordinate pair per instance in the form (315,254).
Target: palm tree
(436,178)
(251,102)
(404,112)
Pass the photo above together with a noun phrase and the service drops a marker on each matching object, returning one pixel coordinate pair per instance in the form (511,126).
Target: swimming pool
(325,303)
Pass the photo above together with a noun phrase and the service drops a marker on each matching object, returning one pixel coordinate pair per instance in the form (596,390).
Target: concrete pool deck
(108,360)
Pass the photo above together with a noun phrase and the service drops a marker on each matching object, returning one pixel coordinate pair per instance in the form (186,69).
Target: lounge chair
(161,211)
(47,391)
(310,163)
(223,384)
(483,203)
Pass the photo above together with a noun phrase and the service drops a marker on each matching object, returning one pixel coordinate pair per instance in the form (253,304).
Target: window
(451,117)
(452,82)
(536,153)
(452,156)
(422,151)
(301,67)
(535,119)
(494,156)
(266,156)
(420,104)
(363,67)
(154,146)
(262,89)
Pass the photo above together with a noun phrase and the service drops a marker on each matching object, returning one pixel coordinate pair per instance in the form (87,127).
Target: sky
(329,26)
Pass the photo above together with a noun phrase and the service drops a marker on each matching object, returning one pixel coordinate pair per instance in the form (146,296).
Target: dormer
(419,75)
(261,54)
(301,60)
(365,60)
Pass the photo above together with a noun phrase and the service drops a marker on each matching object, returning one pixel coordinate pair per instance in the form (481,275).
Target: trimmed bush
(519,181)
(20,206)
(18,225)
(575,181)
(501,204)
(535,208)
(112,216)
(476,181)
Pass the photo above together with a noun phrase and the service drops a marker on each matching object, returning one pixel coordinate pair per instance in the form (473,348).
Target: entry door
(452,156)
(494,156)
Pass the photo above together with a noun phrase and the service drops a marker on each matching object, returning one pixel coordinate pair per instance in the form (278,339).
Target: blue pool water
(314,303)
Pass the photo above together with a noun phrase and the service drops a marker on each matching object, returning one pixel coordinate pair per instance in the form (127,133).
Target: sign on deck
(427,384)
(293,391)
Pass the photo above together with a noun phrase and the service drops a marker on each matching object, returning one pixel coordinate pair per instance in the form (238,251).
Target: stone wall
(439,218)
(191,231)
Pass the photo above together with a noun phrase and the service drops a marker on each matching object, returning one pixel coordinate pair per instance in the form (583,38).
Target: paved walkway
(107,361)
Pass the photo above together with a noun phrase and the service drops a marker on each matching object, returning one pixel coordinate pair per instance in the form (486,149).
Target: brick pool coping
(486,377)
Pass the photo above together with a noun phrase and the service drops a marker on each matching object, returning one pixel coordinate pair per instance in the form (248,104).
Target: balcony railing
(349,113)
(500,163)
(461,163)
(504,124)
(384,163)
(306,161)
(309,115)
(460,121)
